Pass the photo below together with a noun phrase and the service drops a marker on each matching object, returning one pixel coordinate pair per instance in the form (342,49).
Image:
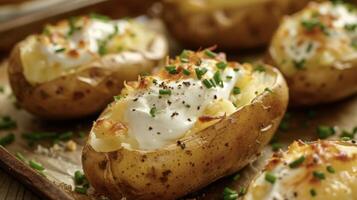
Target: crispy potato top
(320,170)
(321,35)
(193,91)
(74,43)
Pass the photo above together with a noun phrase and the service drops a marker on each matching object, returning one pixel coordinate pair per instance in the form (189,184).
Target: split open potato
(318,170)
(200,116)
(316,50)
(75,67)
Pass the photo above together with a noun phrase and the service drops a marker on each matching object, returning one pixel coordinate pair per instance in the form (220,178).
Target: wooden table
(11,189)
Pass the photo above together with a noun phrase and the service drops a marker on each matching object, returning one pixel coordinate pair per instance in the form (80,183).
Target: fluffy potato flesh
(83,59)
(317,53)
(320,170)
(200,116)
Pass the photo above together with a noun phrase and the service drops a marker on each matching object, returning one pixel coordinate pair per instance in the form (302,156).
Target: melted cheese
(295,47)
(300,183)
(72,44)
(155,120)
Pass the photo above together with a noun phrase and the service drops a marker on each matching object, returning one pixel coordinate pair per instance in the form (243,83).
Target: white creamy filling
(90,34)
(302,48)
(176,113)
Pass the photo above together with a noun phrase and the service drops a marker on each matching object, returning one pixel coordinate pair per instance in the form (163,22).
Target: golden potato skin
(246,26)
(73,96)
(196,160)
(321,85)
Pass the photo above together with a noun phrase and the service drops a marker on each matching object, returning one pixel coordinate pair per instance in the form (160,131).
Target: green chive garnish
(330,169)
(117,98)
(207,83)
(259,68)
(296,163)
(20,156)
(210,54)
(318,175)
(81,189)
(271,178)
(276,146)
(229,77)
(200,72)
(8,139)
(79,177)
(221,65)
(171,69)
(236,177)
(60,50)
(313,192)
(99,16)
(325,131)
(186,72)
(218,79)
(36,165)
(7,123)
(236,90)
(153,111)
(184,56)
(165,92)
(229,194)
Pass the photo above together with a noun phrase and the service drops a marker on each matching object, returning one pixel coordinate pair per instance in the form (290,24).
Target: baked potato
(319,170)
(75,67)
(226,23)
(316,50)
(200,117)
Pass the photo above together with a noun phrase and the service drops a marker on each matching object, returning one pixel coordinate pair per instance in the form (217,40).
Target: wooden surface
(11,189)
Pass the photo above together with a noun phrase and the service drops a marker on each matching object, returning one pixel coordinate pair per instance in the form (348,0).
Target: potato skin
(321,85)
(242,29)
(73,96)
(196,161)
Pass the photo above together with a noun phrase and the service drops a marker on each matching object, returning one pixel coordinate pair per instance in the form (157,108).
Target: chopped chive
(271,178)
(236,176)
(268,90)
(8,139)
(236,90)
(218,79)
(72,26)
(309,47)
(102,48)
(229,194)
(200,72)
(186,72)
(165,92)
(184,56)
(330,169)
(81,189)
(210,54)
(20,156)
(36,165)
(229,77)
(325,131)
(296,163)
(212,82)
(99,16)
(207,83)
(318,175)
(221,65)
(313,192)
(60,50)
(65,136)
(153,111)
(6,123)
(79,177)
(2,89)
(259,68)
(299,64)
(117,97)
(236,69)
(276,146)
(171,69)
(46,31)
(242,191)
